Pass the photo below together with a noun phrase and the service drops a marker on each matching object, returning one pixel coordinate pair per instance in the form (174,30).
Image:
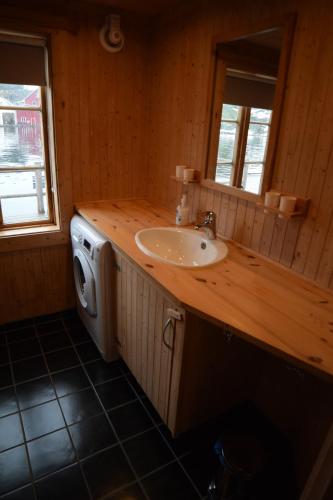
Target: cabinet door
(117,277)
(153,355)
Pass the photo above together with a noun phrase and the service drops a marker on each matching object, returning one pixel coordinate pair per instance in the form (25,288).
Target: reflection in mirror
(245,86)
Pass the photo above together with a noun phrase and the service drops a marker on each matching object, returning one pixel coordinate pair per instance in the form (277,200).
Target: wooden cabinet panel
(177,363)
(141,311)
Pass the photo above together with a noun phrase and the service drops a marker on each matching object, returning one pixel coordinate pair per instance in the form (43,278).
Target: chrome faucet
(207,221)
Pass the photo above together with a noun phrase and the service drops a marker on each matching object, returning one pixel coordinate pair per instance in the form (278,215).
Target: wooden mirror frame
(215,102)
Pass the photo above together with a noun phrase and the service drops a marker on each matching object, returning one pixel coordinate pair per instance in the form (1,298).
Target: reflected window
(228,139)
(256,147)
(245,104)
(243,140)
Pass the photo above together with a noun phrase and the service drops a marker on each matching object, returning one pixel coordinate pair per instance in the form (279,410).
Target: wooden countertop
(269,305)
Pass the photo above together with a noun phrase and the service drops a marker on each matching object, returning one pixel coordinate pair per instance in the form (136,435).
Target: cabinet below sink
(181,364)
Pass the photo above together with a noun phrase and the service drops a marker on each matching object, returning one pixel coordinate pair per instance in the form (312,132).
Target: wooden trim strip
(13,240)
(231,190)
(21,108)
(9,170)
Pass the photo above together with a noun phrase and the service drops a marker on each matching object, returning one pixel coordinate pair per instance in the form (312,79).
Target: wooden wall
(119,115)
(99,109)
(179,65)
(35,282)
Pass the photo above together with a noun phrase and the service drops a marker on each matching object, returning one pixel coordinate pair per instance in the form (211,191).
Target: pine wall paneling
(179,66)
(99,104)
(178,130)
(100,107)
(34,282)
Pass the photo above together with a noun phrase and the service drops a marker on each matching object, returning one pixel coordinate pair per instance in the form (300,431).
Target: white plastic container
(182,212)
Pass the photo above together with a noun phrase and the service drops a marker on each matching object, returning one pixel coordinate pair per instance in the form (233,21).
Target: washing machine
(92,258)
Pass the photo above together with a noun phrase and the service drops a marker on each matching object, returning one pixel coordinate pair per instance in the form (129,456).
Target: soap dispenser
(182,212)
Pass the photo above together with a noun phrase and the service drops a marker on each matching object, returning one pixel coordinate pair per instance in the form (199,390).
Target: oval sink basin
(181,247)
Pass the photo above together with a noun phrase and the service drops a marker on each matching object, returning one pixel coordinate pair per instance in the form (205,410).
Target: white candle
(272,199)
(287,204)
(188,174)
(180,171)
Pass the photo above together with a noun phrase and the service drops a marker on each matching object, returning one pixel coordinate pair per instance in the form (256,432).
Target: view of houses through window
(22,156)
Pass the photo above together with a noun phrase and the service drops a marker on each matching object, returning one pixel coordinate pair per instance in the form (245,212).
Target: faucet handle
(208,222)
(207,216)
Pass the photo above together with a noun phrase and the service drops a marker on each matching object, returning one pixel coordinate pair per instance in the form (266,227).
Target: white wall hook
(110,35)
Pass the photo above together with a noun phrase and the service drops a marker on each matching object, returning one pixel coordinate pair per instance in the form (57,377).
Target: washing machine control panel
(87,246)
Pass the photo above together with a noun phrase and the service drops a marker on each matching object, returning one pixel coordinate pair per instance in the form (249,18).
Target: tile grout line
(181,465)
(43,350)
(42,353)
(127,485)
(112,427)
(66,425)
(56,396)
(28,441)
(144,476)
(166,441)
(33,325)
(155,425)
(127,376)
(21,423)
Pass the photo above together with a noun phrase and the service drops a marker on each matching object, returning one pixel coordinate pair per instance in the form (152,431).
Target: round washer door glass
(84,283)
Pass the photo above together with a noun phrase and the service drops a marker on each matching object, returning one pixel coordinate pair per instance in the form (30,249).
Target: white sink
(181,247)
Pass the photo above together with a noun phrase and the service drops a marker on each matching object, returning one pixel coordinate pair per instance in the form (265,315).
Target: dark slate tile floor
(73,426)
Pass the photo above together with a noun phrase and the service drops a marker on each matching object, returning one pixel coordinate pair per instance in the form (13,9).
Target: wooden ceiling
(63,7)
(149,7)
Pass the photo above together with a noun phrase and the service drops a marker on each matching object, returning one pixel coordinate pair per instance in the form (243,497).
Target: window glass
(256,142)
(252,176)
(23,197)
(224,173)
(228,133)
(251,145)
(230,112)
(21,141)
(227,144)
(23,180)
(20,95)
(259,115)
(256,146)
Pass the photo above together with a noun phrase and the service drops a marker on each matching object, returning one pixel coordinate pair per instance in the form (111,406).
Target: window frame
(215,102)
(233,163)
(45,108)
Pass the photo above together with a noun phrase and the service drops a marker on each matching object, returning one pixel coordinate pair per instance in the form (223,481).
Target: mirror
(249,78)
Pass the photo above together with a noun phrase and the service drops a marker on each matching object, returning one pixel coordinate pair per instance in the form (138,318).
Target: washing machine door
(84,282)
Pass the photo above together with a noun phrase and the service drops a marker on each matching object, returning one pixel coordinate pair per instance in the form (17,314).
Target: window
(26,196)
(242,146)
